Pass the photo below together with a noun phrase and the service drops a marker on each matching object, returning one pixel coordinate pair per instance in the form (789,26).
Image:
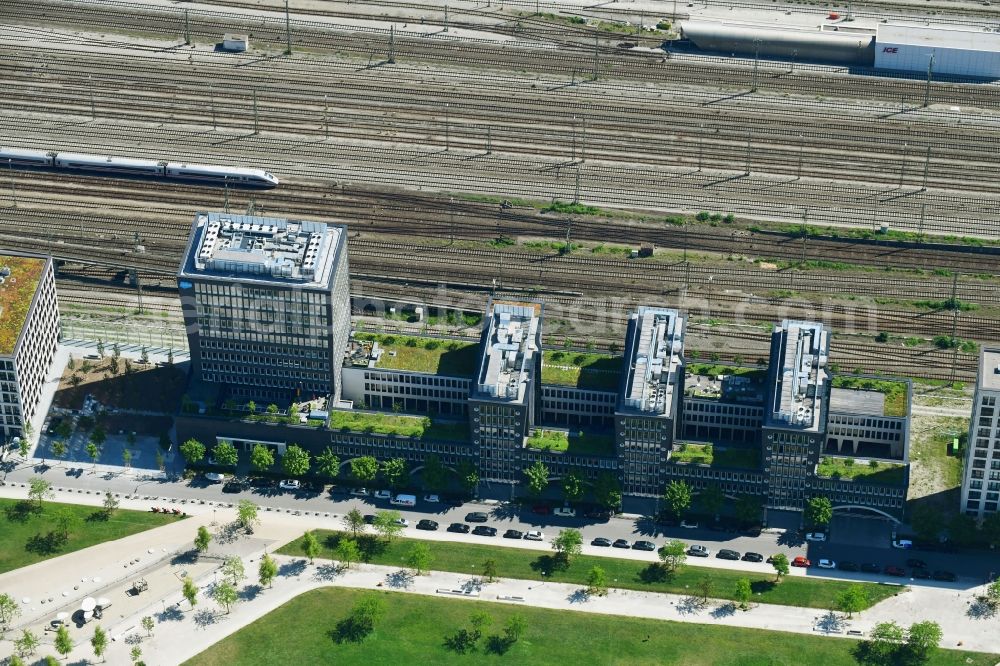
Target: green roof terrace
(579,442)
(708,454)
(16,293)
(595,372)
(863,471)
(399,425)
(894,403)
(437,356)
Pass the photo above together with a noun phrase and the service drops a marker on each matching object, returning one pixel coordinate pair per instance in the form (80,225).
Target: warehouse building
(29,335)
(955,51)
(266,306)
(981,474)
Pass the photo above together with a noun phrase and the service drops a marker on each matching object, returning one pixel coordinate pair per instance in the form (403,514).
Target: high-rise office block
(267,305)
(981,475)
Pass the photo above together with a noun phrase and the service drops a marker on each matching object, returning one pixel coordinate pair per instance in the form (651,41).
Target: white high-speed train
(127,166)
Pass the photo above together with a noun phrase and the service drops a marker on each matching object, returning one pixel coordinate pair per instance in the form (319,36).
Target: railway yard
(486,149)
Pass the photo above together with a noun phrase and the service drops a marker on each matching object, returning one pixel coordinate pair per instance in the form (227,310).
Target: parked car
(816,536)
(541,509)
(945,576)
(289,484)
(800,561)
(402,522)
(369,519)
(727,554)
(234,486)
(513,534)
(484,530)
(214,477)
(564,511)
(847,566)
(916,563)
(261,482)
(644,545)
(689,524)
(893,570)
(476,517)
(426,524)
(752,557)
(621,543)
(383,494)
(870,567)
(826,564)
(433,499)
(360,492)
(460,528)
(599,514)
(699,551)
(534,535)
(454,501)
(601,542)
(921,574)
(904,544)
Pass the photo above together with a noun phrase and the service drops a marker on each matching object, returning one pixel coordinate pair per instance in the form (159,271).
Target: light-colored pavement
(181,632)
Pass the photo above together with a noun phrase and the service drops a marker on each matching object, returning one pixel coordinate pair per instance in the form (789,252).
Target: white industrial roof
(939,37)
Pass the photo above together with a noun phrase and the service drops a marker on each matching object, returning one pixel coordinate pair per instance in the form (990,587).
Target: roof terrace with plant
(19,278)
(454,358)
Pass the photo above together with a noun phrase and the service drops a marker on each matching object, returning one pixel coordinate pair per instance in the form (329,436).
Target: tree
(712,498)
(39,489)
(93,452)
(64,429)
(743,592)
(190,592)
(992,594)
(161,464)
(310,545)
(126,458)
(99,641)
(267,570)
(100,347)
(202,539)
(597,582)
(63,642)
(490,570)
(252,407)
(8,609)
(607,492)
(148,623)
(434,474)
(468,476)
(365,614)
(514,629)
(65,520)
(261,458)
(572,487)
(705,585)
(672,554)
(852,600)
(225,594)
(246,512)
(394,471)
(232,568)
(962,529)
(922,640)
(479,621)
(927,522)
(883,642)
(677,497)
(116,352)
(347,552)
(272,409)
(59,448)
(110,504)
(98,435)
(193,451)
(295,462)
(387,524)
(569,542)
(418,558)
(819,511)
(27,643)
(328,463)
(780,564)
(130,438)
(364,468)
(24,445)
(136,654)
(354,521)
(538,478)
(748,509)
(226,454)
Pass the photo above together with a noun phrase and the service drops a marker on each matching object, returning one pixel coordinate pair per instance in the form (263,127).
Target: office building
(981,473)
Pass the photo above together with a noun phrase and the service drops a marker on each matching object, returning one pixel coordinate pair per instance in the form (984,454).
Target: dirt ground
(147,388)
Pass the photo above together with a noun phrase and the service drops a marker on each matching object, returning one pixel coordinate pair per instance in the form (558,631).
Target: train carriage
(107,164)
(12,157)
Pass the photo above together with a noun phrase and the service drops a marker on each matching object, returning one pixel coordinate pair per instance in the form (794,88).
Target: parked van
(404,500)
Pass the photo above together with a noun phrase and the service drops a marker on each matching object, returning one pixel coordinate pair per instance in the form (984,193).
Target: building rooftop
(454,358)
(989,369)
(512,338)
(595,372)
(939,37)
(799,376)
(653,361)
(864,470)
(868,395)
(20,275)
(266,249)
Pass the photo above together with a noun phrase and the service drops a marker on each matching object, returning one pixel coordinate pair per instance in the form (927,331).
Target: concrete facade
(981,473)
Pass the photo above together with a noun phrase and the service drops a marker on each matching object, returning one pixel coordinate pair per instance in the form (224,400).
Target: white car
(816,536)
(434,499)
(534,535)
(214,477)
(827,564)
(905,544)
(689,524)
(402,522)
(699,551)
(383,494)
(290,484)
(360,492)
(564,511)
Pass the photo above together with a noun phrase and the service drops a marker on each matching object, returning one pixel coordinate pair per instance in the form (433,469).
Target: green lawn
(578,442)
(414,629)
(629,574)
(597,372)
(433,355)
(398,424)
(847,468)
(895,392)
(30,536)
(717,457)
(714,369)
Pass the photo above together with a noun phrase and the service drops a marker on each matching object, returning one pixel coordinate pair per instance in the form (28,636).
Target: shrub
(702,216)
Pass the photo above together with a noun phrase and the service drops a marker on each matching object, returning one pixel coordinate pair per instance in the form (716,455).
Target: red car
(801,562)
(542,509)
(894,571)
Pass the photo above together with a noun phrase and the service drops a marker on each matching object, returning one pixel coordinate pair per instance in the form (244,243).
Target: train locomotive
(127,166)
